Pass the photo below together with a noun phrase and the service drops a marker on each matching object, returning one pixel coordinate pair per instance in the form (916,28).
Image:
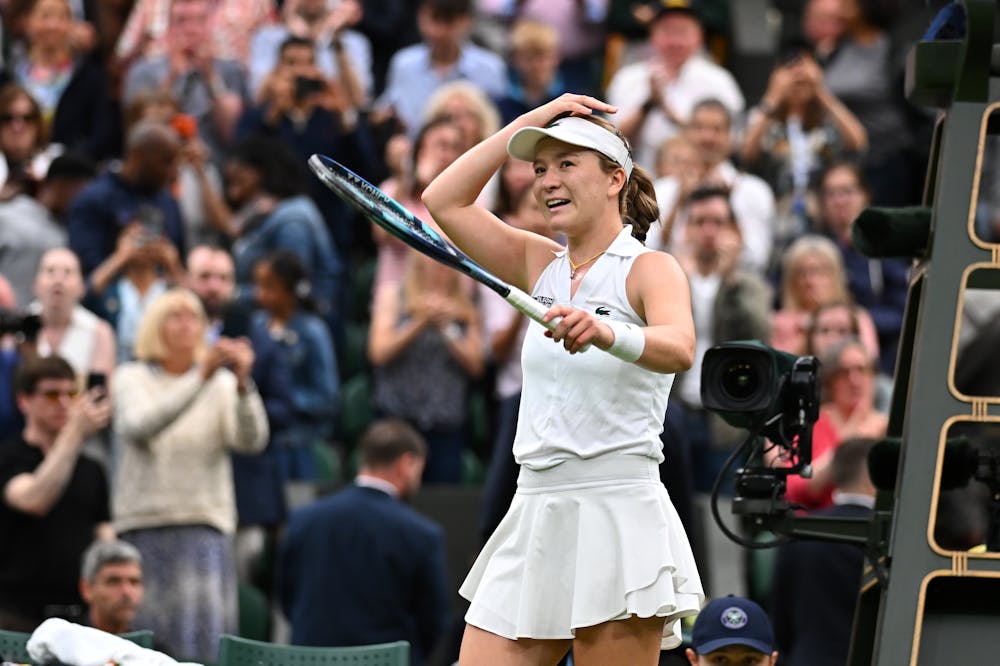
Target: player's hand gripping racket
(389,214)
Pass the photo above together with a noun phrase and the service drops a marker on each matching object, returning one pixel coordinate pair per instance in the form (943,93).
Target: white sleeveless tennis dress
(591,534)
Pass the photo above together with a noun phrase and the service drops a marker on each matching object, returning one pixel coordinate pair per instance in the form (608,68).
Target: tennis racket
(389,214)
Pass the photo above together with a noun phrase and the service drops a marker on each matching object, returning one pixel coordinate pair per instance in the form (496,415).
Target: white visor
(575,131)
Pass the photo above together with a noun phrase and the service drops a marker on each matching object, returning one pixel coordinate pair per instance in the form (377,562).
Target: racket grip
(534,310)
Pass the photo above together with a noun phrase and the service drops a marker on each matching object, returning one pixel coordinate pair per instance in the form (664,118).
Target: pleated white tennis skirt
(585,542)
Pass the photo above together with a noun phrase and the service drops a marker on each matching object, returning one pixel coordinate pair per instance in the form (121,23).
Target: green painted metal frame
(956,77)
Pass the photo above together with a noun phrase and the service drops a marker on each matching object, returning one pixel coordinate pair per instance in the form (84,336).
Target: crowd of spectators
(157,215)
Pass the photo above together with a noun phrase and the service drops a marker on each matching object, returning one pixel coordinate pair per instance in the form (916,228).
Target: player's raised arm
(515,256)
(659,285)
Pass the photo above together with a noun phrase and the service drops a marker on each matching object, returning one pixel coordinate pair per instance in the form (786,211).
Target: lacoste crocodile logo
(603,311)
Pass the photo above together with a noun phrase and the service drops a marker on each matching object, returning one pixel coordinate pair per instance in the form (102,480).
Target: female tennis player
(591,554)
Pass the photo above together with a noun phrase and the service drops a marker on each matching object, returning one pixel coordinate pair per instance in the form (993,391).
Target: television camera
(773,395)
(22,323)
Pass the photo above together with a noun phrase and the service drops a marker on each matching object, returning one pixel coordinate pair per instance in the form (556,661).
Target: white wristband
(629,342)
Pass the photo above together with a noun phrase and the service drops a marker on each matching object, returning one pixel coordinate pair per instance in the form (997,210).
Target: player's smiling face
(569,185)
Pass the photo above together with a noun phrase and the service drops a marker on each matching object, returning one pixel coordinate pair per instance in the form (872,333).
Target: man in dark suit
(362,567)
(816,583)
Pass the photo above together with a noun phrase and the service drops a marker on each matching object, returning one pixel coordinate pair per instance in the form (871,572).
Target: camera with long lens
(771,394)
(744,382)
(20,322)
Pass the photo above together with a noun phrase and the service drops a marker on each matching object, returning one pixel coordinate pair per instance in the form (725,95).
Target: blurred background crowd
(234,328)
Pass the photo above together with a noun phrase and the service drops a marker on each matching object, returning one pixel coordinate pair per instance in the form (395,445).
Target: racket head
(383,210)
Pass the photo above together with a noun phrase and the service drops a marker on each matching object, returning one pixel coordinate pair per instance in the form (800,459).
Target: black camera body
(20,322)
(771,394)
(748,384)
(775,397)
(306,86)
(236,320)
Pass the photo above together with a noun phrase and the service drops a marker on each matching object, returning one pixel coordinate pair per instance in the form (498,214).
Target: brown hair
(9,94)
(814,113)
(833,305)
(637,199)
(418,145)
(849,465)
(505,201)
(385,441)
(135,111)
(830,363)
(33,370)
(852,167)
(714,104)
(16,16)
(713,191)
(447,10)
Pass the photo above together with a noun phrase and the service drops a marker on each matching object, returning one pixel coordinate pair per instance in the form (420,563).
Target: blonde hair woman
(812,275)
(179,409)
(467,106)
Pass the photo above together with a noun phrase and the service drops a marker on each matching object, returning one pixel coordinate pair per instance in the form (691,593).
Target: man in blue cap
(732,630)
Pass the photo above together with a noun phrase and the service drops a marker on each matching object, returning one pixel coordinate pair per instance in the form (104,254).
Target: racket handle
(534,310)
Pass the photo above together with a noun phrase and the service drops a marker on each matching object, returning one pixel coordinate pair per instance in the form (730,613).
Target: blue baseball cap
(732,621)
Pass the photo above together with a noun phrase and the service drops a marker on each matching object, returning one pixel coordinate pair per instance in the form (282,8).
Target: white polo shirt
(588,404)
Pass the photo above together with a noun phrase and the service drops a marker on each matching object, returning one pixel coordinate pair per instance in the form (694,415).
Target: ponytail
(638,203)
(637,199)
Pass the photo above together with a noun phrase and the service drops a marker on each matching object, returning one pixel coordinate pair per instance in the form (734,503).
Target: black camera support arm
(870,533)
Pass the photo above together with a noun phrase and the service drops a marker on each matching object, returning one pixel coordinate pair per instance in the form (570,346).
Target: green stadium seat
(480,427)
(354,359)
(362,279)
(760,566)
(254,613)
(142,638)
(13,644)
(473,470)
(357,409)
(329,472)
(235,651)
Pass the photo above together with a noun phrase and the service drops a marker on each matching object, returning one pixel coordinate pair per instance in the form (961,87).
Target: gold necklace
(575,267)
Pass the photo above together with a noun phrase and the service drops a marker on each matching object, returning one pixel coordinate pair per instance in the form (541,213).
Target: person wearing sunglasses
(25,146)
(55,501)
(70,88)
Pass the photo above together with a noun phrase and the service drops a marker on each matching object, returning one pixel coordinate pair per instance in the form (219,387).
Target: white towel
(77,645)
